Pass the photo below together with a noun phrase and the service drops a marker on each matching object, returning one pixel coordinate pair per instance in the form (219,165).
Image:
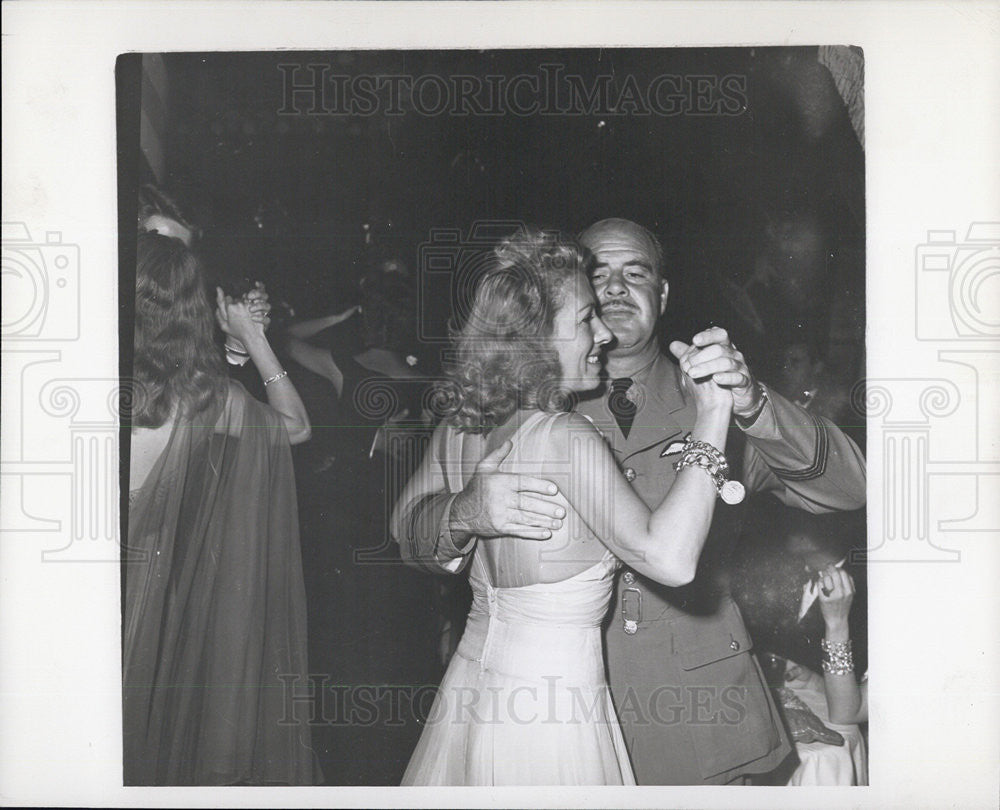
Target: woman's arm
(303,330)
(317,360)
(663,544)
(846,700)
(235,319)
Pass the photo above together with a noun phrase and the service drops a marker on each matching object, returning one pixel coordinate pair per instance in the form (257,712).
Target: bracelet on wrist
(695,453)
(279,376)
(747,420)
(838,657)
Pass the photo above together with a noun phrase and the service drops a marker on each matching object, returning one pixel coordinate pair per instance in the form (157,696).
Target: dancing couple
(567,493)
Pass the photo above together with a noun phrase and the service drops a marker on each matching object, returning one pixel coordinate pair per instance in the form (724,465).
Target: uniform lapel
(660,416)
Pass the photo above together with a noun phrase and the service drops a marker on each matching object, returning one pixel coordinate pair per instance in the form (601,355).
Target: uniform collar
(658,419)
(662,383)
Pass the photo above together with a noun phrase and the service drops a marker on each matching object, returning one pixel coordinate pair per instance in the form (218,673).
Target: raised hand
(495,503)
(257,300)
(236,319)
(836,592)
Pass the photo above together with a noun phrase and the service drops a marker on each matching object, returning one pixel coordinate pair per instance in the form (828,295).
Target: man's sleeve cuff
(763,417)
(449,553)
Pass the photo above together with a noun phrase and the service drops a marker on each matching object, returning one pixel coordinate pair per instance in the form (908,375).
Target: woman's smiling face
(578,333)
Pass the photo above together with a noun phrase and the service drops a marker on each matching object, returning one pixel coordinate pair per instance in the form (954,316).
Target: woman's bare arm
(846,699)
(664,543)
(303,330)
(235,319)
(317,360)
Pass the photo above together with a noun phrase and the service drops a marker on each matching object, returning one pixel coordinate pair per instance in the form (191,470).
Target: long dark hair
(504,358)
(178,367)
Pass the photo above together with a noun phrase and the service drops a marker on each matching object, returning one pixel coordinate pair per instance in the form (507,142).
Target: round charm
(732,492)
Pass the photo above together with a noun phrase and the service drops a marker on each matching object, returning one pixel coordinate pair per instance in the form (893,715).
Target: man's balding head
(627,234)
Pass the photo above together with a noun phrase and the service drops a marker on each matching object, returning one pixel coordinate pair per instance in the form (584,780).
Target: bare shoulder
(573,424)
(572,429)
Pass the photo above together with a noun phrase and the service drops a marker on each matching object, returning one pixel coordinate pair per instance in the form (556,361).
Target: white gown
(525,700)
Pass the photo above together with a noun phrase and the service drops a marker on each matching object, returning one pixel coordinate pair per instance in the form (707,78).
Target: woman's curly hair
(178,368)
(503,355)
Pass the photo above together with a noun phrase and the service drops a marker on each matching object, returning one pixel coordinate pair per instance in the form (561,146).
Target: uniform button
(629,577)
(734,645)
(629,474)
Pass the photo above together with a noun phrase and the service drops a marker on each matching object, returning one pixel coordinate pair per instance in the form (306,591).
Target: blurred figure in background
(232,263)
(802,307)
(373,621)
(214,606)
(160,213)
(783,550)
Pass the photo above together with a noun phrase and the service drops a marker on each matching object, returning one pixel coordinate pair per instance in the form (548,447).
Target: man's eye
(598,276)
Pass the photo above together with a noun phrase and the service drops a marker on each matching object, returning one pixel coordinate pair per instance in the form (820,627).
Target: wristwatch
(746,421)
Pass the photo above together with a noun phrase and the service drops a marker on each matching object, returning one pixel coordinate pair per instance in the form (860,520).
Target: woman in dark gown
(214,607)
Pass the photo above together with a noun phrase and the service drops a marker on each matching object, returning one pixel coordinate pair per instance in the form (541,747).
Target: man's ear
(663,296)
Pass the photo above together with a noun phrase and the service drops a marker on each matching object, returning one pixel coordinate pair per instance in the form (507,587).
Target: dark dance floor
(373,629)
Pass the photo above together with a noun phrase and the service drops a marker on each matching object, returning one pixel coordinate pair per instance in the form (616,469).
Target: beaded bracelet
(279,376)
(838,657)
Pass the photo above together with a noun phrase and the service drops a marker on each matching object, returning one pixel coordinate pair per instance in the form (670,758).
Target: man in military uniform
(691,698)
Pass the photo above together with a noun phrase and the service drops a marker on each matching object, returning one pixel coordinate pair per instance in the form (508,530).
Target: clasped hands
(243,318)
(494,503)
(712,358)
